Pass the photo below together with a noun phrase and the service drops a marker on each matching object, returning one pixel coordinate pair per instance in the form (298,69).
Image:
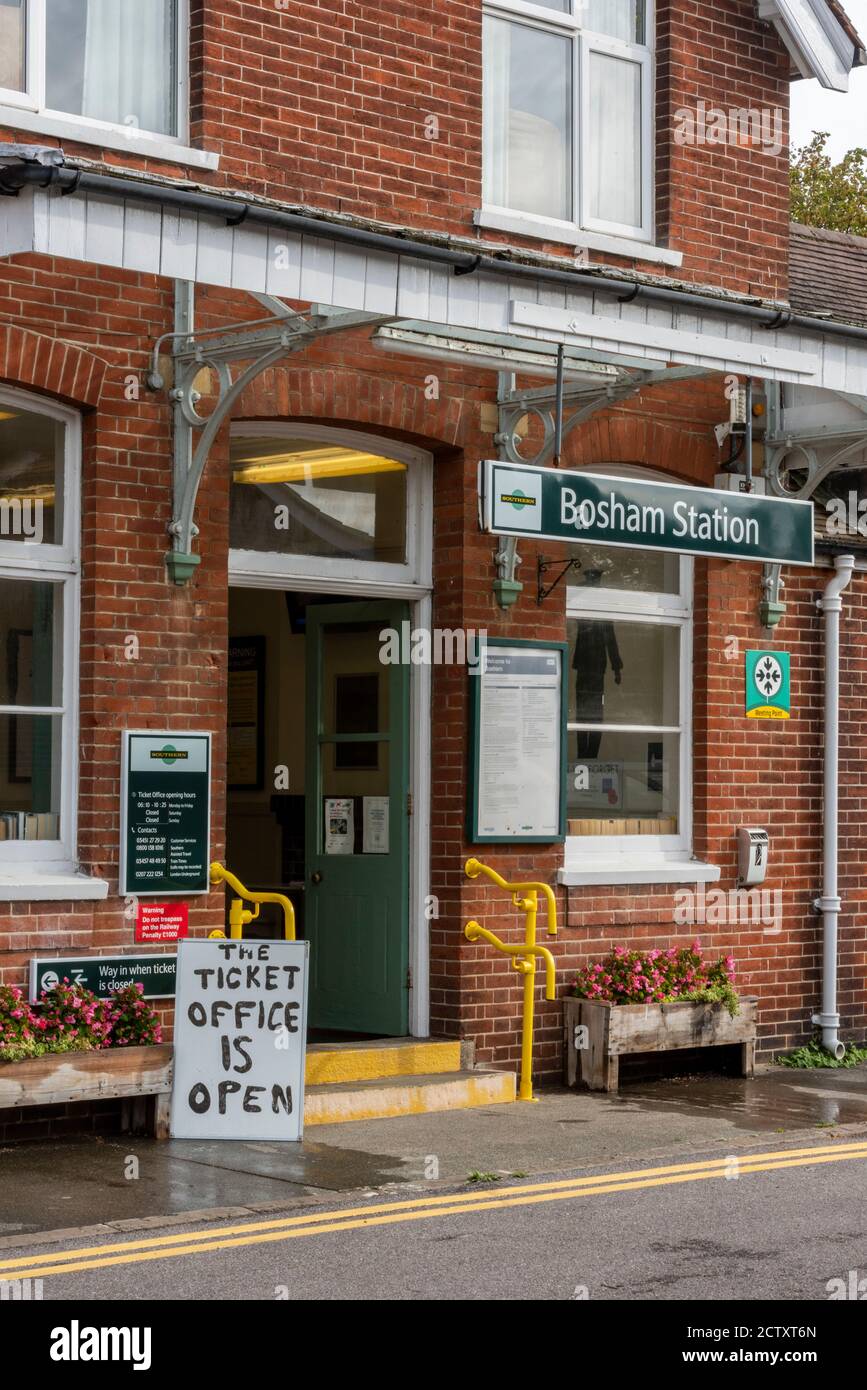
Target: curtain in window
(12,45)
(495,105)
(527,120)
(620,19)
(614,174)
(129,63)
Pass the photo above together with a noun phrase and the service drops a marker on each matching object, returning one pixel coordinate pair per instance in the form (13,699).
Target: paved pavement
(107,1185)
(778,1222)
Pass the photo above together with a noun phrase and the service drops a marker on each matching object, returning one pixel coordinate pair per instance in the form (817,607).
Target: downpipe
(831,604)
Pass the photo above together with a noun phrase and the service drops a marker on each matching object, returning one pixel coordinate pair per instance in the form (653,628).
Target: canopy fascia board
(817,42)
(309,267)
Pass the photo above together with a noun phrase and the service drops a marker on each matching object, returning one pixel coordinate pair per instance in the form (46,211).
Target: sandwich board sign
(240,1039)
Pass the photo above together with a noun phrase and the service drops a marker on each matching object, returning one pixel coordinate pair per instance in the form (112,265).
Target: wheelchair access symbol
(768,685)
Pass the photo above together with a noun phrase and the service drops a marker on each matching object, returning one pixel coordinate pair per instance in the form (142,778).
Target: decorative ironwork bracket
(782,447)
(255,346)
(607,385)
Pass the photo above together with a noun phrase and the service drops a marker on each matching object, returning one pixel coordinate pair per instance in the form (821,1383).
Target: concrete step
(339,1063)
(387,1097)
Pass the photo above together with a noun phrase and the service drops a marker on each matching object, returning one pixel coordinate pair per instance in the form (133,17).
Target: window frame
(32,99)
(661,610)
(275,566)
(54,563)
(585,42)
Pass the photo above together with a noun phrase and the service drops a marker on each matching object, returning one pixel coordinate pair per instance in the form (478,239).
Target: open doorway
(318,781)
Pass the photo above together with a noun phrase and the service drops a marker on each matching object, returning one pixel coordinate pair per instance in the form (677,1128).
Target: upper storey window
(568,112)
(109,63)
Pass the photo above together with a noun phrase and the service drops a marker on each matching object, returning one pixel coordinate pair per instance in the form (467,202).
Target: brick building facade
(353,123)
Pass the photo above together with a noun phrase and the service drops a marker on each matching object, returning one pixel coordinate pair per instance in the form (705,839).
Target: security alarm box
(752,855)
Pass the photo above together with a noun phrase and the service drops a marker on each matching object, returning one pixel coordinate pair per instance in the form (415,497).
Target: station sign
(165,814)
(561,505)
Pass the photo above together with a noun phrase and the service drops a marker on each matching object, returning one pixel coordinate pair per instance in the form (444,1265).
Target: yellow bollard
(523,956)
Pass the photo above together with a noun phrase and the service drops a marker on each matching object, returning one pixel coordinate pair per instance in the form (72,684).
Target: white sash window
(567,121)
(110,64)
(39,632)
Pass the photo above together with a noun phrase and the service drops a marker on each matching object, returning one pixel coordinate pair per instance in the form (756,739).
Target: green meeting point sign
(768,685)
(165,814)
(559,505)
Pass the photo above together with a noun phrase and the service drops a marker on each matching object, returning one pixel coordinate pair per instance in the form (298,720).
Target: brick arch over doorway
(63,370)
(356,398)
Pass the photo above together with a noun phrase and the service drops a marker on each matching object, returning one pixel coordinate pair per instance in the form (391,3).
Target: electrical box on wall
(753,847)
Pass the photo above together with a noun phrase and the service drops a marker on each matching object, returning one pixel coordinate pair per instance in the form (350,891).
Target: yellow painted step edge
(459,1093)
(377,1063)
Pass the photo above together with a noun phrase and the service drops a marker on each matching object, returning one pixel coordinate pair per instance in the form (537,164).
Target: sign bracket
(542,568)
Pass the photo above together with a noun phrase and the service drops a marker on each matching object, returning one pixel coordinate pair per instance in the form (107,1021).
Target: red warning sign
(162,921)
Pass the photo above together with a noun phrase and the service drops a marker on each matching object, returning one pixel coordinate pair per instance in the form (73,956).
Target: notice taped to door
(240,1038)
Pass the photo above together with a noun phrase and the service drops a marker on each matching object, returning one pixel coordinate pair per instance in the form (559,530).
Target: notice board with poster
(165,814)
(240,1040)
(245,743)
(518,743)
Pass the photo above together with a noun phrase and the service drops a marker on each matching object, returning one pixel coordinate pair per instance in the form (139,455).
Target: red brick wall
(726,206)
(326,105)
(744,772)
(318,104)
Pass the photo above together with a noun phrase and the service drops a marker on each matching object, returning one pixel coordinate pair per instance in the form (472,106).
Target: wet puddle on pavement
(771,1102)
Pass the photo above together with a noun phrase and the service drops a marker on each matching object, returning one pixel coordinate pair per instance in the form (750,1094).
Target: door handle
(316,877)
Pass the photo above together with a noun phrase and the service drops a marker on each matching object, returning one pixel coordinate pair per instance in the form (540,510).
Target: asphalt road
(773,1223)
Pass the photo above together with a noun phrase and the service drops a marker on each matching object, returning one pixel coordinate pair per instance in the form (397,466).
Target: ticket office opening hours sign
(165,813)
(518,701)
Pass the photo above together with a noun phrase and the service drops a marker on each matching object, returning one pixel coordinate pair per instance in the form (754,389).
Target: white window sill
(526,224)
(108,137)
(600,872)
(27,884)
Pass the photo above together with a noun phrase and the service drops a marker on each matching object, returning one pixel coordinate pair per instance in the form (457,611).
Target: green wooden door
(357,839)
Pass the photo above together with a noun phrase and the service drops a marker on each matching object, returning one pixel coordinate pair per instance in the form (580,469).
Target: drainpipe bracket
(826,1020)
(828,904)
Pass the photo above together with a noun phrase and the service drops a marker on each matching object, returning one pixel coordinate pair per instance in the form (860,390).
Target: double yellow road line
(318,1223)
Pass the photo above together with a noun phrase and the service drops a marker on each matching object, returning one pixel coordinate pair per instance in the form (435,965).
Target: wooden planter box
(131,1073)
(614,1030)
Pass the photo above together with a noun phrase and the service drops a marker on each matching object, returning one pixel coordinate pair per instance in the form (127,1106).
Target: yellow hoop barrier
(525,896)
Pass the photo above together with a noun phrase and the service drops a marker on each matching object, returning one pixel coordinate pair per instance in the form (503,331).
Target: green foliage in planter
(722,993)
(814,1055)
(34,1047)
(659,977)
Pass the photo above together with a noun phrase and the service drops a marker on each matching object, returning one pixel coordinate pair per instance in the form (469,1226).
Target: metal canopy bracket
(583,387)
(256,346)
